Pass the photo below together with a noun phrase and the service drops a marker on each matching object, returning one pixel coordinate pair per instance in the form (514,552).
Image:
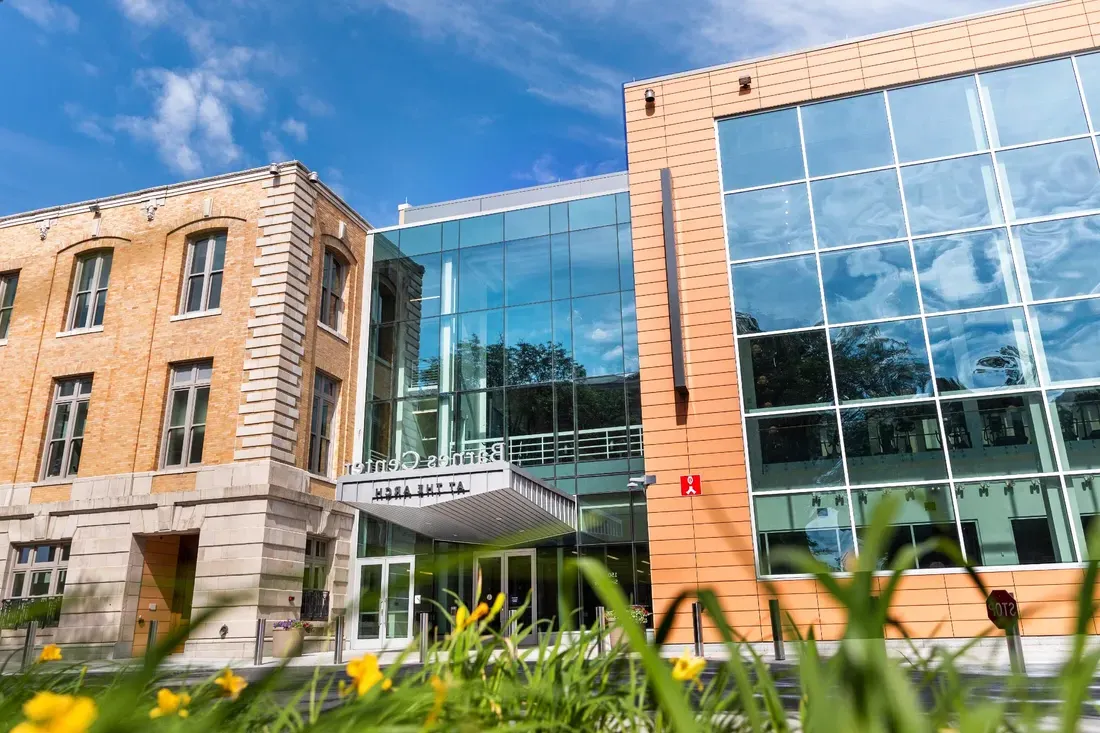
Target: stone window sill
(79,331)
(195,314)
(332,332)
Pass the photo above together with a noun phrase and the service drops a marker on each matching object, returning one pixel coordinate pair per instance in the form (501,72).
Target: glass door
(521,583)
(490,579)
(383,613)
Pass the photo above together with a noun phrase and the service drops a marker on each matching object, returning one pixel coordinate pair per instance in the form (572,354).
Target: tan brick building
(159,374)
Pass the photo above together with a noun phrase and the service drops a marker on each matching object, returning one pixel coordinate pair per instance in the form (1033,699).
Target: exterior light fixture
(639,483)
(650,96)
(745,82)
(313,177)
(273,169)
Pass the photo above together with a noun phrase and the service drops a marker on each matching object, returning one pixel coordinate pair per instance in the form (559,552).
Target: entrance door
(511,572)
(383,613)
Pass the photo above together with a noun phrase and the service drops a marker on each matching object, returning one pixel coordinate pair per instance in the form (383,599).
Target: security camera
(650,96)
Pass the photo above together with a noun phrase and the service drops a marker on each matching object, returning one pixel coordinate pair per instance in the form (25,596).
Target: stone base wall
(252,520)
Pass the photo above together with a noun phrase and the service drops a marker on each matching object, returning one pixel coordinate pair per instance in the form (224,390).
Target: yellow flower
(497,605)
(169,703)
(479,613)
(365,674)
(50,653)
(440,689)
(48,712)
(460,617)
(231,684)
(687,667)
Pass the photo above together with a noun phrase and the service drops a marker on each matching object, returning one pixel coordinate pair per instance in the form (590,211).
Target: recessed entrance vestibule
(511,573)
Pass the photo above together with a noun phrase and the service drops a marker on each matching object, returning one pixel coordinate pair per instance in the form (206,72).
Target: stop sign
(1002,609)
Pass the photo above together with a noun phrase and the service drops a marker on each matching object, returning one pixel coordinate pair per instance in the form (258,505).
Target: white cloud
(296,129)
(192,119)
(48,15)
(541,171)
(276,153)
(87,124)
(149,12)
(315,105)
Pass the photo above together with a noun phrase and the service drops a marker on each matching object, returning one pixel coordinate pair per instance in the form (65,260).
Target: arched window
(202,288)
(333,281)
(89,299)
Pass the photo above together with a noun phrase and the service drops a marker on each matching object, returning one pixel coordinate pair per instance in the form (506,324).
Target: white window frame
(331,312)
(82,393)
(9,283)
(320,455)
(191,384)
(210,242)
(23,572)
(99,285)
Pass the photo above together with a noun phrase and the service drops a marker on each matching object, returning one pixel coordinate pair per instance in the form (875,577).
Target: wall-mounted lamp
(223,631)
(639,483)
(650,96)
(94,207)
(744,82)
(313,177)
(273,169)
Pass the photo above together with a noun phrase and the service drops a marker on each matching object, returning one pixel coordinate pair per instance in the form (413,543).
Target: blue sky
(424,100)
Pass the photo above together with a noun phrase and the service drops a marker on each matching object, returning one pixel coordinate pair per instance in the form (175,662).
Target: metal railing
(314,605)
(16,613)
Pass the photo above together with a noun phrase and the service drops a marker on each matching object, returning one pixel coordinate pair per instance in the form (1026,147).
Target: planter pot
(616,636)
(287,642)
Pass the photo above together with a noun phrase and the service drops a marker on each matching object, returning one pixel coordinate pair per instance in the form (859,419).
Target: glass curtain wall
(515,328)
(935,328)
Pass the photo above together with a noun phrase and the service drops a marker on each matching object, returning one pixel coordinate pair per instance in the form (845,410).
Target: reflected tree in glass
(881,360)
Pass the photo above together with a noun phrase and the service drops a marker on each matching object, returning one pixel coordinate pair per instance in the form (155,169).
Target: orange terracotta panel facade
(707,541)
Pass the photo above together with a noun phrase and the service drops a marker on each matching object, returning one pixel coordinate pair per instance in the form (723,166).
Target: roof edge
(835,44)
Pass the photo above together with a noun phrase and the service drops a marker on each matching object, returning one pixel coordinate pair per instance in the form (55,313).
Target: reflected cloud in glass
(598,335)
(869,282)
(1062,257)
(952,194)
(937,119)
(1033,102)
(855,209)
(760,149)
(846,135)
(984,350)
(769,221)
(965,271)
(1070,339)
(1050,179)
(777,294)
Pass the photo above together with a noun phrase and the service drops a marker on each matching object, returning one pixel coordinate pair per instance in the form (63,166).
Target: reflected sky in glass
(418,240)
(1062,257)
(1088,68)
(526,262)
(855,209)
(777,294)
(594,260)
(769,221)
(481,278)
(965,271)
(846,135)
(881,360)
(480,230)
(586,213)
(760,149)
(598,335)
(1070,339)
(869,282)
(952,194)
(1032,103)
(630,331)
(1050,179)
(937,119)
(527,223)
(984,350)
(786,370)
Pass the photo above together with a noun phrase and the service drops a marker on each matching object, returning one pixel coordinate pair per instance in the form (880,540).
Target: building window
(315,597)
(66,431)
(332,291)
(205,264)
(325,390)
(93,271)
(38,574)
(8,281)
(185,431)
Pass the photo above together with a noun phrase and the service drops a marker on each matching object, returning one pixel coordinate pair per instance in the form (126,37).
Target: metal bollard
(423,637)
(261,629)
(697,627)
(338,641)
(777,629)
(1015,650)
(28,644)
(601,629)
(151,639)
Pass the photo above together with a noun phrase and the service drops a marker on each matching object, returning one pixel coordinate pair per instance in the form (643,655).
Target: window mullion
(67,438)
(187,415)
(211,244)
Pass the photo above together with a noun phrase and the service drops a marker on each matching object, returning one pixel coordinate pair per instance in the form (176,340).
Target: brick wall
(706,541)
